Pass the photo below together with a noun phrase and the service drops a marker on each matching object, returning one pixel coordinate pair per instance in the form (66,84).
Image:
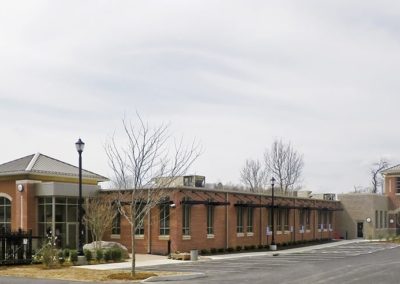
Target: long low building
(39,193)
(200,218)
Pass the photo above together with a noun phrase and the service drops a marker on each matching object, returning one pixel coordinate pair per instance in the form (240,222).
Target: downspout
(294,219)
(227,221)
(149,227)
(315,219)
(260,228)
(149,236)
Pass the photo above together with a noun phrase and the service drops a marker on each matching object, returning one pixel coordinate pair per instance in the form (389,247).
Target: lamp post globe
(80,145)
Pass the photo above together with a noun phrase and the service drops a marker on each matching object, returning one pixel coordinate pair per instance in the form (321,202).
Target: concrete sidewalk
(141,260)
(152,260)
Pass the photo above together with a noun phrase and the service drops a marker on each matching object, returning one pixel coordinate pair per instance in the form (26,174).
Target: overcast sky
(235,75)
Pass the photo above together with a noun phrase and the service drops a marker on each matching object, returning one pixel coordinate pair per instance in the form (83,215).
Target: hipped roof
(39,164)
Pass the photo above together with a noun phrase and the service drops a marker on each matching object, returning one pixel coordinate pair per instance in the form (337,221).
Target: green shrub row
(51,257)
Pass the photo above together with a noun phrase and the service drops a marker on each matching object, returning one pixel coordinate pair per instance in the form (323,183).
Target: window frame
(239,219)
(116,224)
(210,219)
(5,205)
(164,219)
(186,216)
(250,220)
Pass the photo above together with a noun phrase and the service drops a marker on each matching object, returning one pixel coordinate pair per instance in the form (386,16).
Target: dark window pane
(60,200)
(60,213)
(72,213)
(48,212)
(41,213)
(8,213)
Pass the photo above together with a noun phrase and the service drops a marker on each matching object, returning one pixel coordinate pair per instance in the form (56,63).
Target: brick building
(200,218)
(39,193)
(372,216)
(392,191)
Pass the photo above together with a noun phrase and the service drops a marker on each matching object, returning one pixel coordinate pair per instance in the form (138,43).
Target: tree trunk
(133,229)
(133,270)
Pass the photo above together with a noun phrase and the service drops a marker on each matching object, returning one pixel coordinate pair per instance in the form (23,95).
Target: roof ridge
(65,163)
(392,167)
(32,162)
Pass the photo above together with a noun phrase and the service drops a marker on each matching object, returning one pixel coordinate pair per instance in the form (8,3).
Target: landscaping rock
(106,245)
(180,256)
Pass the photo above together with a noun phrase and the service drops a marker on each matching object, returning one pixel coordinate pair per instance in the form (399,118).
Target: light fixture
(80,145)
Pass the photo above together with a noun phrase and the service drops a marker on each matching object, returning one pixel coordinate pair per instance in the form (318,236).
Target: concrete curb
(183,277)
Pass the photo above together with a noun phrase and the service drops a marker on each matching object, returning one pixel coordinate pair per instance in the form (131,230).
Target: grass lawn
(72,273)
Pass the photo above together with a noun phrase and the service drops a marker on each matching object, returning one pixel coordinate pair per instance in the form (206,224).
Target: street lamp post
(79,147)
(273,245)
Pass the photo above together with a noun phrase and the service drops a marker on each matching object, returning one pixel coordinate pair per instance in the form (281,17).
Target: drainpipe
(294,219)
(227,221)
(149,232)
(149,227)
(315,219)
(260,228)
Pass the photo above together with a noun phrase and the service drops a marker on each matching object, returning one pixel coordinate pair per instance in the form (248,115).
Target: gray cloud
(234,74)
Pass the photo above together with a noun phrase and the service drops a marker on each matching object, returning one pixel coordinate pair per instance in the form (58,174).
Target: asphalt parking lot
(323,265)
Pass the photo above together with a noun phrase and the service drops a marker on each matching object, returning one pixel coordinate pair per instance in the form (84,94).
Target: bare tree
(284,163)
(376,177)
(100,213)
(144,168)
(253,175)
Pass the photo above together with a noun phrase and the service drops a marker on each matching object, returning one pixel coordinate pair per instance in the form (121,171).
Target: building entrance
(360,227)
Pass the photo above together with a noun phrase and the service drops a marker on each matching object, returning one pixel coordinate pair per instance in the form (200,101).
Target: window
(65,216)
(5,214)
(186,217)
(381,219)
(308,219)
(398,185)
(210,219)
(250,219)
(376,220)
(139,220)
(330,219)
(285,219)
(116,224)
(278,220)
(269,219)
(164,219)
(320,221)
(302,218)
(239,219)
(305,218)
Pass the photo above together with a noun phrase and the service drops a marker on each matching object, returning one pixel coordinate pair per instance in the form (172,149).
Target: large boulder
(106,245)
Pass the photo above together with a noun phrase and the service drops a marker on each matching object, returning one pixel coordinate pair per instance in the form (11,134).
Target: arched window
(5,213)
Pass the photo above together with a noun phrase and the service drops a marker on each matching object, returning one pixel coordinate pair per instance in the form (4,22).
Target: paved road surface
(351,263)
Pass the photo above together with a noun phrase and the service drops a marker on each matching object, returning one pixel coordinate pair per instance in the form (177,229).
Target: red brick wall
(224,215)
